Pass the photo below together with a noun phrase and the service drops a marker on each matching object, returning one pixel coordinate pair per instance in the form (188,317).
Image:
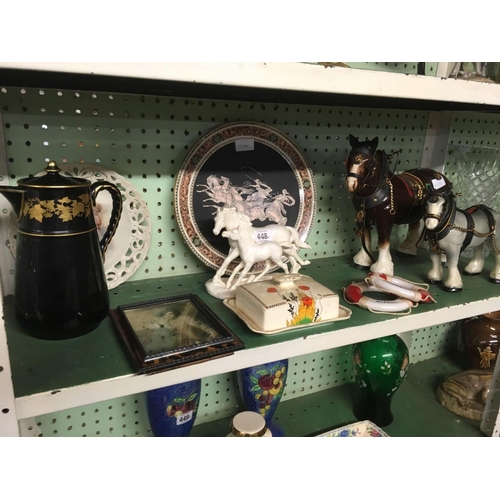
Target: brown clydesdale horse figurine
(385,199)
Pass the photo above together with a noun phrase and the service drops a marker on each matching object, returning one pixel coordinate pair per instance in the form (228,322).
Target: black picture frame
(165,333)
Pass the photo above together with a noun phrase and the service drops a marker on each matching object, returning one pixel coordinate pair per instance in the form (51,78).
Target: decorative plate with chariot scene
(252,167)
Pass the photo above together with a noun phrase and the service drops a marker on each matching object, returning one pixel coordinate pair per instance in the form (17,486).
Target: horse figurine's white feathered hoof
(453,284)
(433,281)
(448,286)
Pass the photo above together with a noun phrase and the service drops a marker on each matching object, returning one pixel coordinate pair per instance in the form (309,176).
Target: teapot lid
(53,179)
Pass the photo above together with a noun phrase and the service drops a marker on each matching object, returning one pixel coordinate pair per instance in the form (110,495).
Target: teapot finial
(52,167)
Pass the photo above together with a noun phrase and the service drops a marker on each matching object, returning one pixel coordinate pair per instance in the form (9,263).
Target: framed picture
(253,167)
(165,333)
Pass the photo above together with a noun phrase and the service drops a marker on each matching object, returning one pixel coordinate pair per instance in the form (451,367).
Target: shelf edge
(290,76)
(65,398)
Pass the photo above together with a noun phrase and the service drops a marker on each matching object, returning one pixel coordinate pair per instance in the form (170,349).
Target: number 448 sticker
(260,236)
(183,408)
(185,417)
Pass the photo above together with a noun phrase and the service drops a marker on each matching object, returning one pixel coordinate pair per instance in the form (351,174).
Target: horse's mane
(244,219)
(382,160)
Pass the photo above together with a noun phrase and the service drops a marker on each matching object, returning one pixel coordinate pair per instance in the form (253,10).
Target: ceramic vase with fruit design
(261,388)
(172,410)
(380,366)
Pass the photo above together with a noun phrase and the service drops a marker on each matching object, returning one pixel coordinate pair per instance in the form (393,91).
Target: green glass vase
(379,366)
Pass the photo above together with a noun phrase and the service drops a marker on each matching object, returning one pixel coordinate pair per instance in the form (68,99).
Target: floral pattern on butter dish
(302,305)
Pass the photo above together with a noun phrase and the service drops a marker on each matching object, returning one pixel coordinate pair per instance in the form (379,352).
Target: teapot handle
(116,213)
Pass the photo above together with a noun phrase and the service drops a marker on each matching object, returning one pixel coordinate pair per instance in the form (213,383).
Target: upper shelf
(271,82)
(50,376)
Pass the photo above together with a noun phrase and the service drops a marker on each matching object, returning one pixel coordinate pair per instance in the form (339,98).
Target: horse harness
(382,193)
(446,222)
(385,190)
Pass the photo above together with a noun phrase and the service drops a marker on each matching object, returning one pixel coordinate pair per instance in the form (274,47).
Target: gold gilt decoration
(65,208)
(487,355)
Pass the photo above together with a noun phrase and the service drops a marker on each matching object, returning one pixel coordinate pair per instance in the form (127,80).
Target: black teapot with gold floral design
(60,284)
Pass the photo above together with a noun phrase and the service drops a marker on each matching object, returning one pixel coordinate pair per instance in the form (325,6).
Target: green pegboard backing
(220,394)
(145,139)
(121,417)
(434,341)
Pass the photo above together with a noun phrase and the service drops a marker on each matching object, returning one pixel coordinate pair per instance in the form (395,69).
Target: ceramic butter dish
(282,302)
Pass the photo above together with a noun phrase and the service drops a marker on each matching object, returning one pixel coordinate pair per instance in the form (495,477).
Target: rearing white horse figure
(451,230)
(288,237)
(250,253)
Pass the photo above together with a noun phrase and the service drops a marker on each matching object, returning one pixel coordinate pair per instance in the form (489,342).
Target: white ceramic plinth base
(217,288)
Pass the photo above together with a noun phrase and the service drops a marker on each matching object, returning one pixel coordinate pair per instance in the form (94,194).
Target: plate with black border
(252,166)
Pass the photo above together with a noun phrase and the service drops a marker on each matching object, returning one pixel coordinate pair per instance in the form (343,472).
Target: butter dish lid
(282,302)
(269,293)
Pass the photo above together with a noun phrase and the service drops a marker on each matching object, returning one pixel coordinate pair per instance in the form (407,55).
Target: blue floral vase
(172,410)
(261,388)
(380,366)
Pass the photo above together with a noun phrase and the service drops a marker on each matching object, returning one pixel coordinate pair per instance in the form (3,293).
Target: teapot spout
(15,196)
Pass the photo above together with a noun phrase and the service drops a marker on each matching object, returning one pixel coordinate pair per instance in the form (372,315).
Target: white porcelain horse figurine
(450,230)
(230,219)
(252,252)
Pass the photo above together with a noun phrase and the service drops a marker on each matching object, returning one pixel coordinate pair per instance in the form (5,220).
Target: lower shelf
(416,411)
(51,376)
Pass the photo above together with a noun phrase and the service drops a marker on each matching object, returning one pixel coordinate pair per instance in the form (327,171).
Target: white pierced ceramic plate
(130,244)
(358,429)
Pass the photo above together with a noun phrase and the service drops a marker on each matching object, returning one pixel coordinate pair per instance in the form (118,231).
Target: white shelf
(57,400)
(300,77)
(361,327)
